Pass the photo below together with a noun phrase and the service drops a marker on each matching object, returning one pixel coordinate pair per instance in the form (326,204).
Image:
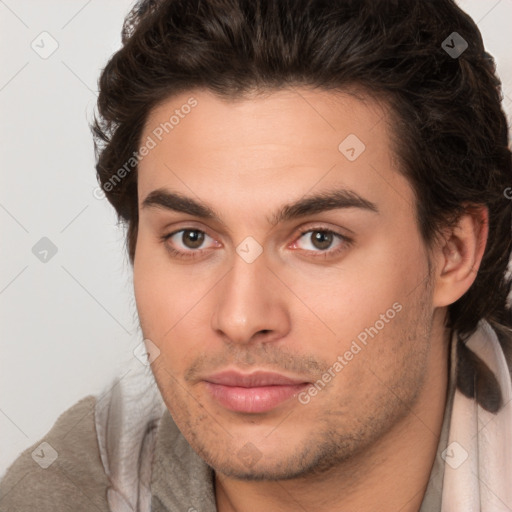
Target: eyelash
(346,243)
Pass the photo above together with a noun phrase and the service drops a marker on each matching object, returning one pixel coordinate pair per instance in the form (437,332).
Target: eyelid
(342,232)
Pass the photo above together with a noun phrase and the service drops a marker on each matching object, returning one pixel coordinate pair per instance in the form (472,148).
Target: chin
(250,463)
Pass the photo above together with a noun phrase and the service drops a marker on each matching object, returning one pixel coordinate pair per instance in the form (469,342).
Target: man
(316,201)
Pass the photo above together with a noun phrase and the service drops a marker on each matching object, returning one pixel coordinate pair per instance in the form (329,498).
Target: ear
(458,255)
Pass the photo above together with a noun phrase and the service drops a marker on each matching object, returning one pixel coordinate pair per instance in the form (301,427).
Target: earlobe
(459,254)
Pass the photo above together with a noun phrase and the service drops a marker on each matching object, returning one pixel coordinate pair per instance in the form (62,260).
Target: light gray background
(68,325)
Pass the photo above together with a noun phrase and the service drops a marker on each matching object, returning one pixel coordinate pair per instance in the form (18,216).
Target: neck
(392,475)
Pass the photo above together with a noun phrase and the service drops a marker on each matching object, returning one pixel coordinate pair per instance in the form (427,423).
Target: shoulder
(62,471)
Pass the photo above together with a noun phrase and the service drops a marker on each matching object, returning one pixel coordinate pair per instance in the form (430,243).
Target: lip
(252,393)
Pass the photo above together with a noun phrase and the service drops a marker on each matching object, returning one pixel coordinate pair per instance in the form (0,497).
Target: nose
(250,304)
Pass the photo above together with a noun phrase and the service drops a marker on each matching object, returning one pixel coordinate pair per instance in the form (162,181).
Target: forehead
(283,143)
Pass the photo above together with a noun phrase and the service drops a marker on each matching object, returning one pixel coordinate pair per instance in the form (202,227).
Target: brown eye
(321,239)
(192,238)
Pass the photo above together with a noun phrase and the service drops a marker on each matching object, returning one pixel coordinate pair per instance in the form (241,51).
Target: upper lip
(252,380)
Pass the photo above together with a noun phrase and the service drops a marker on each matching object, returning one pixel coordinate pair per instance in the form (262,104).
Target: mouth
(252,393)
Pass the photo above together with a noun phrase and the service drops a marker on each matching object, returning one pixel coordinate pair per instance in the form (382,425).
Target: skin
(366,441)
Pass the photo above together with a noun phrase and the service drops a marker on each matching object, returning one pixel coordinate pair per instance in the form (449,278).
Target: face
(281,278)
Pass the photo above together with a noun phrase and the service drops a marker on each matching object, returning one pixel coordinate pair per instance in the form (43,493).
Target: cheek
(346,299)
(170,303)
(157,290)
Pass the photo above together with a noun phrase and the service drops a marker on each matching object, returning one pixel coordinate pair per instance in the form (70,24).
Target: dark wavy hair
(450,133)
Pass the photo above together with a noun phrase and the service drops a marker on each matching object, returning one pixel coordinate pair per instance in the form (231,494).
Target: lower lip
(253,400)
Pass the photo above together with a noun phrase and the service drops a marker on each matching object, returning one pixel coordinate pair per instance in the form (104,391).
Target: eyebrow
(309,205)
